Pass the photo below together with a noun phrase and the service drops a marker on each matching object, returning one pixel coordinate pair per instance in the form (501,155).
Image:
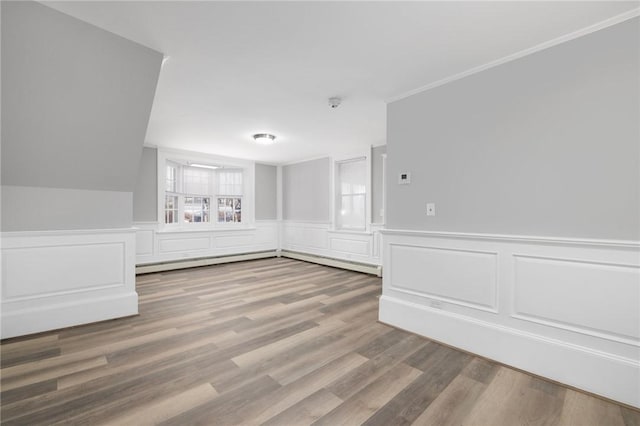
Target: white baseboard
(193,263)
(560,308)
(336,263)
(53,317)
(56,279)
(597,372)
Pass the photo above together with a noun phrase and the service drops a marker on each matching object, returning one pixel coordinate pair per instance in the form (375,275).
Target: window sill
(206,229)
(347,231)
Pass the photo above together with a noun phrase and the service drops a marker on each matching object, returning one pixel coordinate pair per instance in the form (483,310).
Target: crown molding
(542,46)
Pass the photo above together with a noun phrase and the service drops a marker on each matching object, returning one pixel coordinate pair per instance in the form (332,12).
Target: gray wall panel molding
(377,183)
(145,203)
(266,192)
(306,190)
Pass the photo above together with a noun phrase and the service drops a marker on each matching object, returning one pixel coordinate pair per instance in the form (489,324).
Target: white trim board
(333,262)
(565,309)
(516,238)
(542,46)
(613,377)
(320,239)
(58,279)
(153,245)
(193,263)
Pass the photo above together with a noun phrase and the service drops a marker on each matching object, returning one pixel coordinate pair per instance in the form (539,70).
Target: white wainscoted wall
(561,308)
(154,245)
(55,279)
(321,240)
(312,238)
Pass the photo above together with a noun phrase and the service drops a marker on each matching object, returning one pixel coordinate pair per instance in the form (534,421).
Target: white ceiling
(238,68)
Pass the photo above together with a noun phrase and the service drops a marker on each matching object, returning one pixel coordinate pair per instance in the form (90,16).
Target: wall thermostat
(404,178)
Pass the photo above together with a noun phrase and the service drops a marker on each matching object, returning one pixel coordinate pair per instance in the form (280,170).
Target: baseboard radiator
(203,261)
(207,261)
(336,263)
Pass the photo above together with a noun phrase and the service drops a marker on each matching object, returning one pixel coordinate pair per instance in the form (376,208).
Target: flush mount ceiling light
(264,138)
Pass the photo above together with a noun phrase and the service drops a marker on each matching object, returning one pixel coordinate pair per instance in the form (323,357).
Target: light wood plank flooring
(277,342)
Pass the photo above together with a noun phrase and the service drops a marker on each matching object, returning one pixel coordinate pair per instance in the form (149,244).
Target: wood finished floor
(277,342)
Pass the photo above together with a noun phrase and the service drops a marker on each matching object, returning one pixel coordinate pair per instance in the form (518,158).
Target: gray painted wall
(75,106)
(548,144)
(145,195)
(377,183)
(75,101)
(26,208)
(305,191)
(266,192)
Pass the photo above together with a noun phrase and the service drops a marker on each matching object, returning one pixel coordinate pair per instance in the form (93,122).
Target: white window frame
(218,196)
(185,157)
(335,199)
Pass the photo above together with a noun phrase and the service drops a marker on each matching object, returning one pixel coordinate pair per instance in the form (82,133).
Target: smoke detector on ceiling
(335,102)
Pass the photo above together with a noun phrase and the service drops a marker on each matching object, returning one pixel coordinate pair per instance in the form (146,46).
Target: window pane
(229,209)
(196,180)
(196,209)
(171,202)
(171,183)
(230,182)
(352,211)
(170,209)
(352,178)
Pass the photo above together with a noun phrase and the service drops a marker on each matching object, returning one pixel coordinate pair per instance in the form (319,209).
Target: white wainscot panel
(56,279)
(601,299)
(569,309)
(144,242)
(311,236)
(463,277)
(229,241)
(173,245)
(45,271)
(267,234)
(185,243)
(350,245)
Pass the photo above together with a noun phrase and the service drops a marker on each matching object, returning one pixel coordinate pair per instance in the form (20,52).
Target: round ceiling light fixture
(264,138)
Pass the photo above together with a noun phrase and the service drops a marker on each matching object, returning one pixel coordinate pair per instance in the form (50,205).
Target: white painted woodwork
(564,309)
(320,240)
(464,277)
(167,246)
(55,279)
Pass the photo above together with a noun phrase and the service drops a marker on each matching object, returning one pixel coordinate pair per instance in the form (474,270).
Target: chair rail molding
(562,308)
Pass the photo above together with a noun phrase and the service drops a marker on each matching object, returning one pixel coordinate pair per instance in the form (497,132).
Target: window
(196,209)
(229,196)
(171,184)
(171,209)
(187,194)
(351,194)
(191,191)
